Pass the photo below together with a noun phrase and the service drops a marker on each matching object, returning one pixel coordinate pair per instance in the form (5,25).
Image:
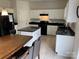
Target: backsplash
(53,13)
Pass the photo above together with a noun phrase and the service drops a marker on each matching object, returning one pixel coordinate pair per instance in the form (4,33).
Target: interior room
(39,29)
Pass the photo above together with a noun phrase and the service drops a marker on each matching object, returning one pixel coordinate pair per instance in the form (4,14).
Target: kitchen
(27,12)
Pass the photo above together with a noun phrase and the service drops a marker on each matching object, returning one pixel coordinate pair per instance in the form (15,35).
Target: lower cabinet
(51,30)
(64,45)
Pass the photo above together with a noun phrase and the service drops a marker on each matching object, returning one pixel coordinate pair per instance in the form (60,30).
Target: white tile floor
(47,48)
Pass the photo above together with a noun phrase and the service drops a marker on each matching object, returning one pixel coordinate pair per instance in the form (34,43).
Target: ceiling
(48,4)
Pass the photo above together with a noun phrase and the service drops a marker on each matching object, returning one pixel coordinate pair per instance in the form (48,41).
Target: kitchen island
(33,43)
(10,44)
(33,31)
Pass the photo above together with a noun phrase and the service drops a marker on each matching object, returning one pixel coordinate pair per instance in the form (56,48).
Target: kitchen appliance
(6,24)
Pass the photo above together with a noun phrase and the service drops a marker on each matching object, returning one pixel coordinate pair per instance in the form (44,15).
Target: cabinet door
(51,30)
(64,45)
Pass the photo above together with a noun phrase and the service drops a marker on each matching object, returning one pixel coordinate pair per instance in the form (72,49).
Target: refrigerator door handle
(78,11)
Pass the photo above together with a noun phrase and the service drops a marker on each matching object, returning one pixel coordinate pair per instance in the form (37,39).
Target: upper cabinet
(70,11)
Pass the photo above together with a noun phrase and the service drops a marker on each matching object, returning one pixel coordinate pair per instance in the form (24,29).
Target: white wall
(77,2)
(10,10)
(70,11)
(53,13)
(76,41)
(66,11)
(5,3)
(22,11)
(47,4)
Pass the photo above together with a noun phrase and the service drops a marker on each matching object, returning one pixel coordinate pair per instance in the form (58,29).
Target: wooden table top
(10,44)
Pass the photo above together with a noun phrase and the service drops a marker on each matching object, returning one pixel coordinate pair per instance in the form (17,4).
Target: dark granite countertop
(50,20)
(55,22)
(29,29)
(49,23)
(65,31)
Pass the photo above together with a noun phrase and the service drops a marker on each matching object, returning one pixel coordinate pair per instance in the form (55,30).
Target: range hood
(44,17)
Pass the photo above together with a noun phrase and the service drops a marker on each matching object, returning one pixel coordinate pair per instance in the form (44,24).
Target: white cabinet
(51,30)
(64,45)
(35,35)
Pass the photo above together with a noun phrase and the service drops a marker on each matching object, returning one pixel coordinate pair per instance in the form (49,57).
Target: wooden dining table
(9,44)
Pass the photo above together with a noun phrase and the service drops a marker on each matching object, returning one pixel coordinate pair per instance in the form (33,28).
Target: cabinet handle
(78,11)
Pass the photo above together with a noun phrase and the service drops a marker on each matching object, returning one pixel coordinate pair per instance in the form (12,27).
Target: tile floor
(48,47)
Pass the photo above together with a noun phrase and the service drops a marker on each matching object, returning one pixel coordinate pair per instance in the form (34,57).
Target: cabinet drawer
(27,33)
